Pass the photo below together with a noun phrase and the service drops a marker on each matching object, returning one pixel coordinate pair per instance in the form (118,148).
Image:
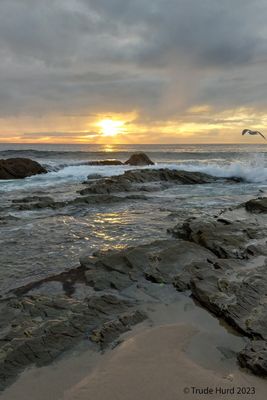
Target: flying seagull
(249,132)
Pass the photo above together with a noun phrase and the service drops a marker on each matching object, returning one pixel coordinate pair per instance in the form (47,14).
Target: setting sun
(109,127)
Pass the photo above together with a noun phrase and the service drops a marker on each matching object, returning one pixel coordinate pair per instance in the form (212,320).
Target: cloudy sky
(132,71)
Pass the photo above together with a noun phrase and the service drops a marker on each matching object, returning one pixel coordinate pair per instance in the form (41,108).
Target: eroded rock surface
(158,262)
(104,162)
(134,180)
(40,202)
(110,330)
(226,239)
(254,357)
(220,260)
(257,205)
(234,287)
(36,329)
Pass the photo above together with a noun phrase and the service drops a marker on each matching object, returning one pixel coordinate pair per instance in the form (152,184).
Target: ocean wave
(71,174)
(253,171)
(235,170)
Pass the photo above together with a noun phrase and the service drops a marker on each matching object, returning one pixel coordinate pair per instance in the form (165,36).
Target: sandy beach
(153,365)
(150,364)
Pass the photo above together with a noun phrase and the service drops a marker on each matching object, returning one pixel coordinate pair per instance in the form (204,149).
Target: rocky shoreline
(220,261)
(212,258)
(132,185)
(20,168)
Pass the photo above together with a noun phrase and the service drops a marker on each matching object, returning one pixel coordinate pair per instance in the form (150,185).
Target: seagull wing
(245,131)
(259,133)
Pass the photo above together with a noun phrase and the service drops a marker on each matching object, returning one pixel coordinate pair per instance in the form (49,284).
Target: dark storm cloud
(159,58)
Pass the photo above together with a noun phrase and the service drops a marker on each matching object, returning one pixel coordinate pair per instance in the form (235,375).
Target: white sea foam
(238,170)
(252,170)
(67,175)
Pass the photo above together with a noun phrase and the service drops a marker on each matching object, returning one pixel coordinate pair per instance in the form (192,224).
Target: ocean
(37,243)
(66,162)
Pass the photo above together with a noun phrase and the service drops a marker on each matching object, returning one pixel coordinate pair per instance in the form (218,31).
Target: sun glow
(110,127)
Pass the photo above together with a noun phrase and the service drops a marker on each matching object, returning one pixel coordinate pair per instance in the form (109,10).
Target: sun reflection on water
(108,148)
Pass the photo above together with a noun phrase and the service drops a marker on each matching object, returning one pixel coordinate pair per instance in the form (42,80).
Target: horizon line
(128,144)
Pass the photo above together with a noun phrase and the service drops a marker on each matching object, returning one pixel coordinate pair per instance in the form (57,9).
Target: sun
(110,127)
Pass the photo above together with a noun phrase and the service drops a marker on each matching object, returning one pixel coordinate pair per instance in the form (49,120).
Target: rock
(234,285)
(254,357)
(8,218)
(139,159)
(94,176)
(95,199)
(131,181)
(107,186)
(32,199)
(105,162)
(224,240)
(230,291)
(112,329)
(257,205)
(18,168)
(37,329)
(36,202)
(101,280)
(136,197)
(157,262)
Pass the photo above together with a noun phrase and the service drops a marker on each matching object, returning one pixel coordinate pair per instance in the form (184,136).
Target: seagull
(248,131)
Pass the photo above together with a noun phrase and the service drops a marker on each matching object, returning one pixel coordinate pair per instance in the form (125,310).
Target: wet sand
(154,365)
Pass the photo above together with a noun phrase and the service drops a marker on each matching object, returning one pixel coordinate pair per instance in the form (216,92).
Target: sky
(132,71)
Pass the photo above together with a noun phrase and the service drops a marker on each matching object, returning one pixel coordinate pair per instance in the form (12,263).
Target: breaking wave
(252,170)
(235,170)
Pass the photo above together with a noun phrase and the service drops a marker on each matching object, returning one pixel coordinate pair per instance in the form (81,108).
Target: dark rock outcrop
(105,162)
(111,329)
(254,357)
(94,176)
(19,168)
(38,329)
(134,180)
(35,329)
(233,287)
(158,262)
(257,205)
(39,202)
(139,159)
(225,240)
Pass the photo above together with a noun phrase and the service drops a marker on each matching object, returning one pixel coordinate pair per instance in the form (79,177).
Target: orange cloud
(199,124)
